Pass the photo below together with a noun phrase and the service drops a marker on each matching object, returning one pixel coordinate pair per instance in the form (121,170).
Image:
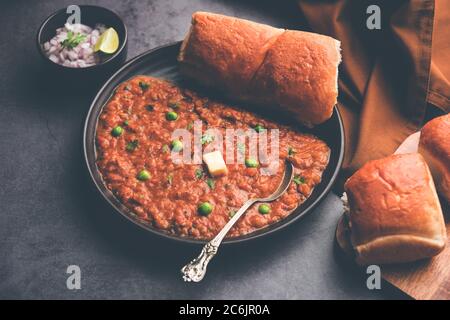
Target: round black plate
(161,62)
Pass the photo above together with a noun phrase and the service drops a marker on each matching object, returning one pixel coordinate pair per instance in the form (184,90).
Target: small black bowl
(90,16)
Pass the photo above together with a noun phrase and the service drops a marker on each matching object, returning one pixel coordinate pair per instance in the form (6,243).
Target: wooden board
(423,280)
(428,279)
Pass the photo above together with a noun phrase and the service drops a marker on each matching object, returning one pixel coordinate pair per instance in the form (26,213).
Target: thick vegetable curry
(135,155)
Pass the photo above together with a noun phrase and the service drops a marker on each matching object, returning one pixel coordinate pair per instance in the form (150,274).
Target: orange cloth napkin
(389,77)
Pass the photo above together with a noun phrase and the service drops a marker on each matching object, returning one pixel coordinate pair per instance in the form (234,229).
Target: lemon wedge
(108,42)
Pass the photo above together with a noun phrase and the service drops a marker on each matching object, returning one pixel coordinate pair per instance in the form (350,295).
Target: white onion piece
(83,54)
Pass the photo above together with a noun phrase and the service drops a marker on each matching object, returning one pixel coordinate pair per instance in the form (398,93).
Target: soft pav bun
(393,213)
(434,145)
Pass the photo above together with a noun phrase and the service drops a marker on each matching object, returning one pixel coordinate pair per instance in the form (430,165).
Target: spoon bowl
(284,184)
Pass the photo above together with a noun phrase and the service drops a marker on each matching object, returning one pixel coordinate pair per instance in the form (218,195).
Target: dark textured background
(51,218)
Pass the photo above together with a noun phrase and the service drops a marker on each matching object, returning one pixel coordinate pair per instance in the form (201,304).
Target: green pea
(205,208)
(264,208)
(251,163)
(177,145)
(259,128)
(143,175)
(117,131)
(171,116)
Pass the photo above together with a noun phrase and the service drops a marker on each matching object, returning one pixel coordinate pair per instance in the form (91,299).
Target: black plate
(161,62)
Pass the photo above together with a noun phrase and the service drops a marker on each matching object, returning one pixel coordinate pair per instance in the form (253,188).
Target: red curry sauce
(169,199)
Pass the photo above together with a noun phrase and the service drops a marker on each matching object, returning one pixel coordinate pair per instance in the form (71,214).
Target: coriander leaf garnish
(199,173)
(165,148)
(299,179)
(73,40)
(232,213)
(291,151)
(211,183)
(144,86)
(150,107)
(132,145)
(259,128)
(207,138)
(190,125)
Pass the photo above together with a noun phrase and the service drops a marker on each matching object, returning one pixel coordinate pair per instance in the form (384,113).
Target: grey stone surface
(51,218)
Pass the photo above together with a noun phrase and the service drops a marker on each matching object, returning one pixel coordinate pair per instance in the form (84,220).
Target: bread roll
(434,145)
(394,213)
(253,62)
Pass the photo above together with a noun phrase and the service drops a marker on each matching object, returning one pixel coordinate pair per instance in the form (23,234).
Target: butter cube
(215,163)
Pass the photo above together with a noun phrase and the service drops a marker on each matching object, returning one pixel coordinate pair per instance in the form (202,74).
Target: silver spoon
(196,269)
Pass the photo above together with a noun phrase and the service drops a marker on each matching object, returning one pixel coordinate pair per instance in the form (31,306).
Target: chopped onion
(80,56)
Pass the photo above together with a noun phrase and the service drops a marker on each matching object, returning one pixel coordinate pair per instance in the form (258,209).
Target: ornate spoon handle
(196,269)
